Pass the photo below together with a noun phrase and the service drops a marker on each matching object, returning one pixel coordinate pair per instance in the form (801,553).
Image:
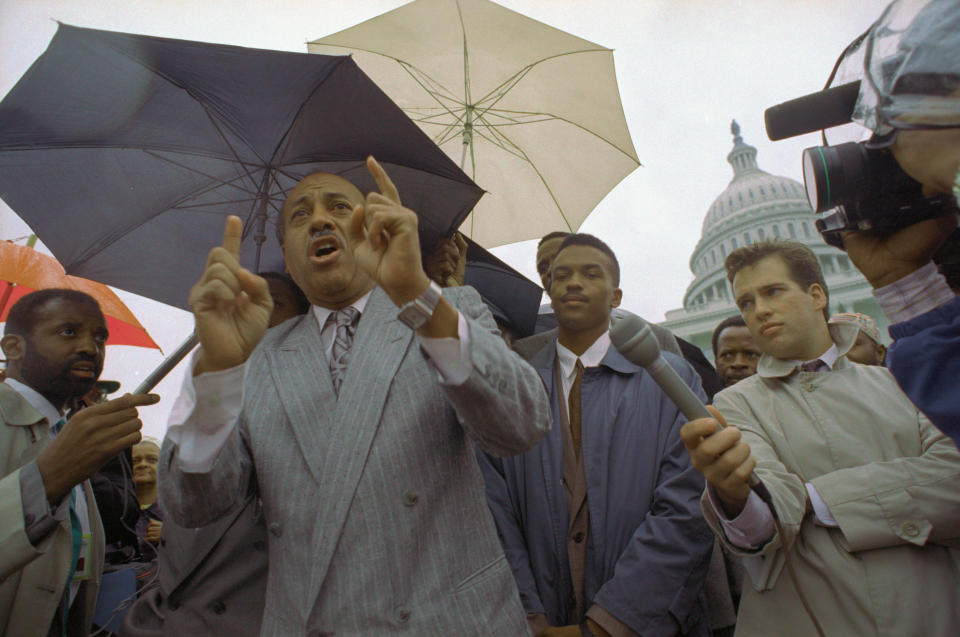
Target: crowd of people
(363,446)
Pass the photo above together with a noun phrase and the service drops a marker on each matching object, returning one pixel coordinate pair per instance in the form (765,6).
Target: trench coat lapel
(378,348)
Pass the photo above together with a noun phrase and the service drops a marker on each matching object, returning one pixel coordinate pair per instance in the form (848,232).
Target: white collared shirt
(328,331)
(590,358)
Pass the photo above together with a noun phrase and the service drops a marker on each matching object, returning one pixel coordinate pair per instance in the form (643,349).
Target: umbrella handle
(168,363)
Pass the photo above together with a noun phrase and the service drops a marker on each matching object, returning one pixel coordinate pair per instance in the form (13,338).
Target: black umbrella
(511,297)
(124,153)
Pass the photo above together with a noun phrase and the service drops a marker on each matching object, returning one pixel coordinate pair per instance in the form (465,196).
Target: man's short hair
(556,234)
(584,239)
(731,321)
(25,313)
(302,303)
(800,260)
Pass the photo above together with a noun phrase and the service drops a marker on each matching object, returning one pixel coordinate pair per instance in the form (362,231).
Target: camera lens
(831,174)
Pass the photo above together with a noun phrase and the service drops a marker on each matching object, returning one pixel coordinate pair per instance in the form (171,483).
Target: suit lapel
(301,376)
(378,348)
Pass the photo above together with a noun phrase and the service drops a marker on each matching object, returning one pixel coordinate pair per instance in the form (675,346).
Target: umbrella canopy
(510,296)
(532,113)
(124,153)
(24,270)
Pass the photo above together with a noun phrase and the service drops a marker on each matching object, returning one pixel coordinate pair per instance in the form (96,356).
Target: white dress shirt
(590,358)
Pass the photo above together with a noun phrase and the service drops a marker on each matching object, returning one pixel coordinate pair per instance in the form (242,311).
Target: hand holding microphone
(715,450)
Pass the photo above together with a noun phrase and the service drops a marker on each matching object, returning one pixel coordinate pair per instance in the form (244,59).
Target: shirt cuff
(606,621)
(749,530)
(38,519)
(821,512)
(917,293)
(204,415)
(450,356)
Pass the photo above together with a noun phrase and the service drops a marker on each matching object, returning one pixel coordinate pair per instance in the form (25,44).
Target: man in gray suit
(357,434)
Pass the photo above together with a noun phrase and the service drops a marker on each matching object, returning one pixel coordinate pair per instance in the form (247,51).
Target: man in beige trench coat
(866,489)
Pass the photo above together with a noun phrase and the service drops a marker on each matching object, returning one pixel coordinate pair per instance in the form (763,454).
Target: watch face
(413,317)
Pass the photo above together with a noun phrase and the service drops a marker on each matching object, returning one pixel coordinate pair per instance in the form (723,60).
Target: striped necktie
(345,322)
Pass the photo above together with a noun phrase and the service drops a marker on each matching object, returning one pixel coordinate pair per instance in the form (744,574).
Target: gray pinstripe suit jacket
(375,506)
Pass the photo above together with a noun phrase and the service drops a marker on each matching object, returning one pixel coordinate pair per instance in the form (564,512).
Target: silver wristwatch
(417,312)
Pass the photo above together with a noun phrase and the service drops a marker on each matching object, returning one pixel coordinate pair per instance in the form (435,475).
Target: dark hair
(301,299)
(731,321)
(557,234)
(800,260)
(25,313)
(583,239)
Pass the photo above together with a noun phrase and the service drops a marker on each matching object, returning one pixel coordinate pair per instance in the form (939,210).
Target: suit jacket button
(410,498)
(402,614)
(578,537)
(219,607)
(275,529)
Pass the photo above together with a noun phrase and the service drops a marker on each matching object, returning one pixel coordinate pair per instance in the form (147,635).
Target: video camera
(907,61)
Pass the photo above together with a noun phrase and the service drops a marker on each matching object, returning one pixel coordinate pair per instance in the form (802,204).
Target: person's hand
(441,263)
(562,631)
(230,304)
(723,459)
(91,438)
(384,238)
(884,260)
(459,275)
(154,530)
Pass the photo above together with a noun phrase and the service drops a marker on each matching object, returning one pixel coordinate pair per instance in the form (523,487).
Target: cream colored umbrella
(530,112)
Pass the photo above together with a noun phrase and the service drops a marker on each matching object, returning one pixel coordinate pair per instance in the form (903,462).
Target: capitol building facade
(757,206)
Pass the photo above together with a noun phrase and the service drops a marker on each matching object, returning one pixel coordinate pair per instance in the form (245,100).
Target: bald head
(332,185)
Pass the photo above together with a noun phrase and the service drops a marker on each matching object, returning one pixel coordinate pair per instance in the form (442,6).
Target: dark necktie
(814,366)
(573,408)
(76,535)
(345,322)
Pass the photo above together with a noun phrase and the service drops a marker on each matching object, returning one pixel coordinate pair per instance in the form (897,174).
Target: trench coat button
(402,613)
(911,529)
(219,607)
(410,498)
(578,537)
(275,529)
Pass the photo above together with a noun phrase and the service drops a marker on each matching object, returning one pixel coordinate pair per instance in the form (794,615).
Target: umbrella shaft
(168,363)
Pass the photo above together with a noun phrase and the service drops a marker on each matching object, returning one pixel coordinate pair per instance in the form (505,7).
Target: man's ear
(819,296)
(882,353)
(14,347)
(617,297)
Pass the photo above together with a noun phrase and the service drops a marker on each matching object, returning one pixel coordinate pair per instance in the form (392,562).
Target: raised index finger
(233,236)
(384,183)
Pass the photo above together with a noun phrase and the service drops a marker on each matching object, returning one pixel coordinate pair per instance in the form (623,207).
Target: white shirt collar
(36,400)
(828,358)
(590,358)
(323,313)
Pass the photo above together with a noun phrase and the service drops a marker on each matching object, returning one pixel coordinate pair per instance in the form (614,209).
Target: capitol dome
(756,206)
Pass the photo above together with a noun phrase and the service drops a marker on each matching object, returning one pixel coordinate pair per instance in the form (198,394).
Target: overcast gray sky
(685,69)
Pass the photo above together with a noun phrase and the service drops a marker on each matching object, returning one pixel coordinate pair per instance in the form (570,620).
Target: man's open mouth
(324,249)
(84,370)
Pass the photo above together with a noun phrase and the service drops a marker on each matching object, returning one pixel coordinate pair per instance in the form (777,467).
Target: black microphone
(634,339)
(813,112)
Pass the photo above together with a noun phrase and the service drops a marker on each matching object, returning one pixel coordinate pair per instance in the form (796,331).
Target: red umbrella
(24,270)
